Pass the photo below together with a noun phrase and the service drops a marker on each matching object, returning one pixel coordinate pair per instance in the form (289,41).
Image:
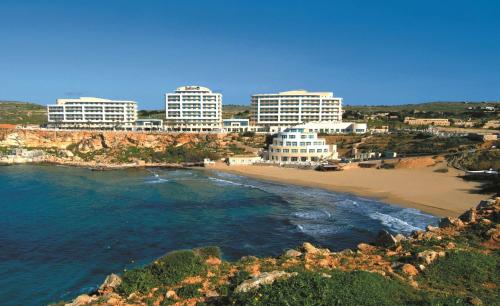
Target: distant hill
(451,107)
(14,112)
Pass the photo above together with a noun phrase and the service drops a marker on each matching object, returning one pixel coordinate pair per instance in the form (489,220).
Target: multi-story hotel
(295,145)
(294,107)
(89,112)
(193,109)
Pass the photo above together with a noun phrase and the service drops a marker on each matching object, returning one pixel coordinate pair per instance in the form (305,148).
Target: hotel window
(303,136)
(283,136)
(308,143)
(303,150)
(295,151)
(303,158)
(288,143)
(311,136)
(284,158)
(319,151)
(302,144)
(294,159)
(294,144)
(311,150)
(292,136)
(286,150)
(277,150)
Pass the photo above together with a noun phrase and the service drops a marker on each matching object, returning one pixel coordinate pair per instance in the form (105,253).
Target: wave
(394,223)
(158,181)
(227,182)
(318,230)
(313,214)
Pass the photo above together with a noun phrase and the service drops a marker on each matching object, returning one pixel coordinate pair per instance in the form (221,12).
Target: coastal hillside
(456,263)
(22,113)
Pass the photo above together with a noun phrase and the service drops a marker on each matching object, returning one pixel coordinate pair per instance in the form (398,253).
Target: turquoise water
(62,230)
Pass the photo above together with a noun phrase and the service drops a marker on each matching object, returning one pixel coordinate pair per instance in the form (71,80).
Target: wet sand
(441,194)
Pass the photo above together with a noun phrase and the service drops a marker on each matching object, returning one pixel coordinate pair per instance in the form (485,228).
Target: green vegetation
(189,291)
(481,160)
(467,274)
(22,113)
(153,114)
(336,288)
(167,270)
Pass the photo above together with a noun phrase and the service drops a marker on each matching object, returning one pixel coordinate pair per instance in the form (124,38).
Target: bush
(441,170)
(342,288)
(141,280)
(167,270)
(177,265)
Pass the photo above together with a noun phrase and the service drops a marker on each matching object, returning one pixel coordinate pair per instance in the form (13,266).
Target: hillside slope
(22,113)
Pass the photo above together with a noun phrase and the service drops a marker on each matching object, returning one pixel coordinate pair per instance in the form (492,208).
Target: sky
(368,52)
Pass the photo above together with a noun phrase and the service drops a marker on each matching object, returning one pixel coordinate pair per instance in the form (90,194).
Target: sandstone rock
(399,238)
(421,267)
(409,270)
(450,222)
(83,299)
(451,246)
(427,256)
(366,248)
(431,228)
(111,282)
(213,261)
(384,238)
(311,249)
(292,253)
(469,216)
(486,221)
(171,294)
(265,278)
(475,301)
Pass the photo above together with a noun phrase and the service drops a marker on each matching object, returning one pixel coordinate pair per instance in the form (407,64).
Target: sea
(63,229)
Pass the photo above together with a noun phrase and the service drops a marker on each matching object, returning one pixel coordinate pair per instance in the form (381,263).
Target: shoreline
(439,194)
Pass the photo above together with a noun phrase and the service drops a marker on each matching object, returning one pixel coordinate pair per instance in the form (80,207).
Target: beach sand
(441,194)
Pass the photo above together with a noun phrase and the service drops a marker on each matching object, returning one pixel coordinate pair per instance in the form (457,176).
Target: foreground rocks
(395,257)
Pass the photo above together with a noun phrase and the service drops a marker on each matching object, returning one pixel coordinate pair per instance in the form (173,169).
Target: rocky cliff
(456,263)
(114,147)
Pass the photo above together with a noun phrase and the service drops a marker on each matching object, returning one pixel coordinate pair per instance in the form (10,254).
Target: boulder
(431,228)
(83,299)
(485,204)
(450,222)
(311,249)
(399,238)
(292,253)
(384,238)
(111,282)
(469,216)
(429,256)
(409,270)
(265,278)
(366,248)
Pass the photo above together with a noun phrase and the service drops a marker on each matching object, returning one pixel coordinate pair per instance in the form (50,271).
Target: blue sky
(368,52)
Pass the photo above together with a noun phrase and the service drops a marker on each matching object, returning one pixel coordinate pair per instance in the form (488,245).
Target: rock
(83,299)
(475,301)
(409,270)
(450,222)
(366,248)
(486,221)
(265,278)
(418,234)
(427,256)
(213,261)
(111,282)
(485,204)
(384,238)
(311,249)
(421,267)
(292,253)
(451,246)
(431,228)
(494,234)
(399,238)
(171,294)
(469,216)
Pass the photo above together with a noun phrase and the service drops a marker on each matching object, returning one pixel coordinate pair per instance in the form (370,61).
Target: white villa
(295,107)
(295,145)
(193,109)
(92,113)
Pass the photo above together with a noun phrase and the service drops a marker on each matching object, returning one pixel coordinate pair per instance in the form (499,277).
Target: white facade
(148,125)
(193,109)
(89,112)
(295,107)
(295,145)
(327,127)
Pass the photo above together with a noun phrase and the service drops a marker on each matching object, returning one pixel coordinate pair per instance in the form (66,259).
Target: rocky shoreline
(455,263)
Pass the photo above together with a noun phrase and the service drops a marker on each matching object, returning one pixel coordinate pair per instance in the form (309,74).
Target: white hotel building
(295,145)
(294,107)
(93,113)
(193,109)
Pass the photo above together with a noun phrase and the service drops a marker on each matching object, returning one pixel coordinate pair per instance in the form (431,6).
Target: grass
(465,273)
(189,291)
(341,288)
(22,113)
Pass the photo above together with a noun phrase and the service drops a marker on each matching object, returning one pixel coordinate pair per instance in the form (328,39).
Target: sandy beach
(441,194)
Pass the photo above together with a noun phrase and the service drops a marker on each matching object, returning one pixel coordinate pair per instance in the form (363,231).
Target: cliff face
(89,141)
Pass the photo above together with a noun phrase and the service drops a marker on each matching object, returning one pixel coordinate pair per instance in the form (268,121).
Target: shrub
(441,170)
(141,280)
(177,265)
